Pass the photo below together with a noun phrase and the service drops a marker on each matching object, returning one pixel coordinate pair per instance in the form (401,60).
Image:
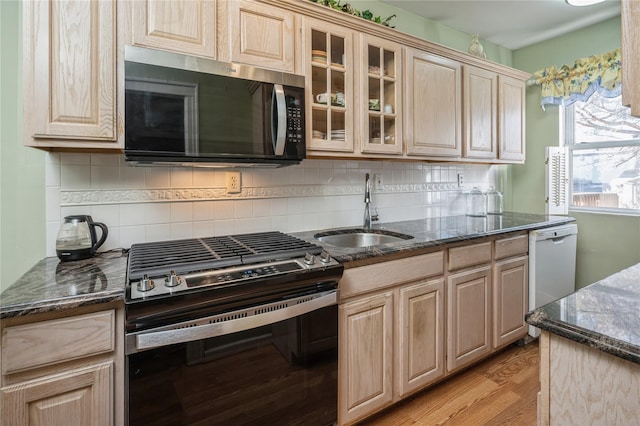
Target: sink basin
(354,238)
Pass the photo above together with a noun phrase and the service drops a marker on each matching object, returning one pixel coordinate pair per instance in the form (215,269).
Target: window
(604,155)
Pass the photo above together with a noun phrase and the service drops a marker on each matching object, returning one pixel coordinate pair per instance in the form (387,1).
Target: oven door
(271,364)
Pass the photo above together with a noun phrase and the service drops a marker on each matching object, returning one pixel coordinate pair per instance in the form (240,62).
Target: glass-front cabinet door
(328,64)
(381,85)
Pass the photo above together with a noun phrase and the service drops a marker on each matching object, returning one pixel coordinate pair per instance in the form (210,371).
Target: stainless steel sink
(354,238)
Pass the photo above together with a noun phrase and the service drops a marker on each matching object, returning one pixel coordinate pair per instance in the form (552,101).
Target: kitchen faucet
(367,201)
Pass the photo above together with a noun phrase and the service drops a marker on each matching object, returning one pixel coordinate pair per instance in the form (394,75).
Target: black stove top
(170,281)
(199,254)
(226,264)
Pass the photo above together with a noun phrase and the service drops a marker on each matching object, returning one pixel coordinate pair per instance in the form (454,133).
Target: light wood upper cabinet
(420,335)
(510,301)
(327,60)
(468,316)
(630,16)
(380,95)
(257,34)
(511,119)
(480,113)
(365,330)
(181,26)
(69,73)
(433,105)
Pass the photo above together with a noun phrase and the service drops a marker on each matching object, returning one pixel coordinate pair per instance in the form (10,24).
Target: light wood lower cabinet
(408,323)
(510,301)
(79,397)
(63,368)
(420,335)
(468,316)
(366,356)
(581,385)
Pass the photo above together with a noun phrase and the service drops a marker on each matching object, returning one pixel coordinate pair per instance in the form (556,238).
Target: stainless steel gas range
(238,329)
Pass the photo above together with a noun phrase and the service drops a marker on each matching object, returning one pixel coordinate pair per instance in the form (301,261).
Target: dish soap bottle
(476,203)
(494,201)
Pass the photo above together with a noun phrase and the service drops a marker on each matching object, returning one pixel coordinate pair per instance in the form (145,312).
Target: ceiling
(511,23)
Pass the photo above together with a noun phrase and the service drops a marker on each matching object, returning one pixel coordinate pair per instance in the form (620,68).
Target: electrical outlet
(377,182)
(233,182)
(460,180)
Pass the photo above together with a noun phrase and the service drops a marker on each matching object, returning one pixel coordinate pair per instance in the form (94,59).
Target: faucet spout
(367,201)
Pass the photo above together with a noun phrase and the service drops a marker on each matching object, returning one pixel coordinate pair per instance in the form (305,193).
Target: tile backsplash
(140,204)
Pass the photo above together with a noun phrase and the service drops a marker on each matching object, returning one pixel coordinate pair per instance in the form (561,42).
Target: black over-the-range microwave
(186,110)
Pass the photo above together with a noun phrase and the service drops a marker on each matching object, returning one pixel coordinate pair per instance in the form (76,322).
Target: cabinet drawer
(513,246)
(385,274)
(471,255)
(53,341)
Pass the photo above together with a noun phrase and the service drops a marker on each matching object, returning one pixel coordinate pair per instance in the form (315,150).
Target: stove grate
(192,255)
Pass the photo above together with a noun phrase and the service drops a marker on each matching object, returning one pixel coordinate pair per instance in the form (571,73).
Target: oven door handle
(155,339)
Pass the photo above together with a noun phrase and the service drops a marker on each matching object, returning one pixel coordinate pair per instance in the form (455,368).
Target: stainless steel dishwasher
(552,265)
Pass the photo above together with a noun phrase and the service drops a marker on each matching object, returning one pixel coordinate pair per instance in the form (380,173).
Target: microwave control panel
(295,119)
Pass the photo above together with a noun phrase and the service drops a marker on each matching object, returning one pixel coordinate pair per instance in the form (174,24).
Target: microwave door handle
(279,130)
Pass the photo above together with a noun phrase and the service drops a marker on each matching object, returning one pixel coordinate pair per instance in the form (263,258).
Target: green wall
(606,243)
(22,187)
(417,26)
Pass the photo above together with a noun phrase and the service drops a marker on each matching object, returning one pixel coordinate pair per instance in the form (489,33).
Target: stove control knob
(172,280)
(309,259)
(145,283)
(325,257)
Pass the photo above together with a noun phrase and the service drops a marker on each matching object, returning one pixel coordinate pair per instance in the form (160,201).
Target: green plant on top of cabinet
(69,61)
(327,57)
(433,105)
(187,27)
(380,87)
(257,34)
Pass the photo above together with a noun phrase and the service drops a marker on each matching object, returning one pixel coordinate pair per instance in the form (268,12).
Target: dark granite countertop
(51,285)
(434,232)
(603,315)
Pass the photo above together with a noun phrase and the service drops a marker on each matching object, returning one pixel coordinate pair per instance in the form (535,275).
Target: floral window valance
(568,84)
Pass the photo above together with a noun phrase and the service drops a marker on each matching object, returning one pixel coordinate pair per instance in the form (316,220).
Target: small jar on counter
(494,201)
(476,203)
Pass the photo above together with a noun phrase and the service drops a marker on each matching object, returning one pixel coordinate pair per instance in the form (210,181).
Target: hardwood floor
(499,391)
